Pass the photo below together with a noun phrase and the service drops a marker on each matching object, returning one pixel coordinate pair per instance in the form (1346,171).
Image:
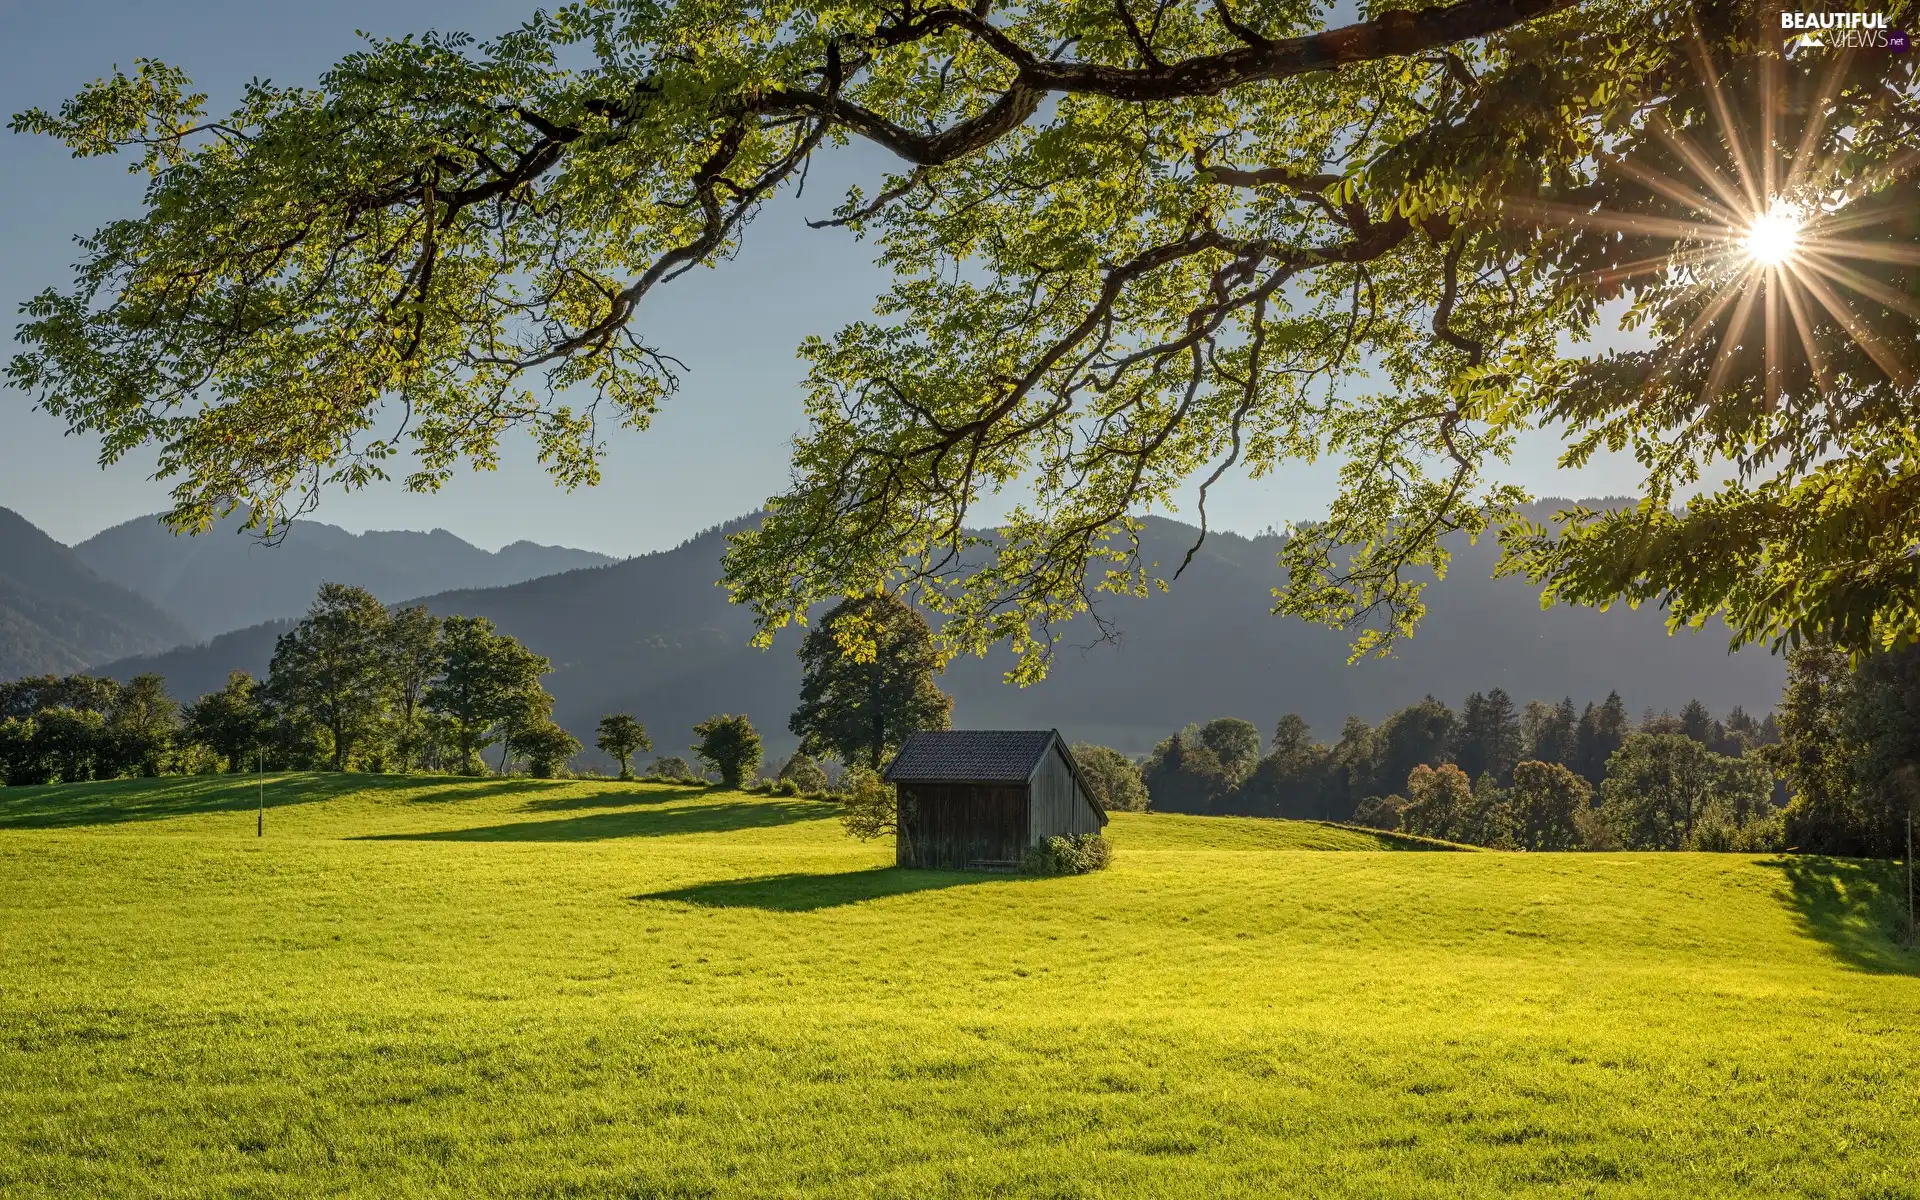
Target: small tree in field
(622,737)
(545,746)
(730,745)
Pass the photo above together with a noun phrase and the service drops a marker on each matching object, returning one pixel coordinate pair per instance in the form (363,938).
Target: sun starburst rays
(1763,227)
(1773,237)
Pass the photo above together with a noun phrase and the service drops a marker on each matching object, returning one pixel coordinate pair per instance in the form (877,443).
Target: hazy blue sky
(716,451)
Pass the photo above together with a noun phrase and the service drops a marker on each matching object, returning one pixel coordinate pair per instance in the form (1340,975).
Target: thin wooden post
(260,821)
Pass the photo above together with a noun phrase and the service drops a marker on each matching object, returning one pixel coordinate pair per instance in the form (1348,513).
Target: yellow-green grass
(422,987)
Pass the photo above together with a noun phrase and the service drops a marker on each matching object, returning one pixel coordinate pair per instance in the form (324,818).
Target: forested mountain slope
(56,615)
(655,636)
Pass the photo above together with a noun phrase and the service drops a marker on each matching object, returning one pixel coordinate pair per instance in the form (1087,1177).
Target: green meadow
(427,987)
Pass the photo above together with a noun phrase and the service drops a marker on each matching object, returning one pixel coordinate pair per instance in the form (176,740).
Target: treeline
(80,727)
(1850,750)
(353,686)
(1544,776)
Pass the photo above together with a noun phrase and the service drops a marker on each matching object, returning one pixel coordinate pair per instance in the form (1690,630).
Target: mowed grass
(422,987)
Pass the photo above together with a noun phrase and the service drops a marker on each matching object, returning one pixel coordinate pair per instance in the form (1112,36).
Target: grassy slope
(426,988)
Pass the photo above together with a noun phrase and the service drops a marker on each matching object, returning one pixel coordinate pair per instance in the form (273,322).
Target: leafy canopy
(622,737)
(1136,245)
(728,743)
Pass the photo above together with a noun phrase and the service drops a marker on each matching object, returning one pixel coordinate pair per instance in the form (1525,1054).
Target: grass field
(557,989)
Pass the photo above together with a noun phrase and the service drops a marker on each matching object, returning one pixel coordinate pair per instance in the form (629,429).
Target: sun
(1769,237)
(1773,237)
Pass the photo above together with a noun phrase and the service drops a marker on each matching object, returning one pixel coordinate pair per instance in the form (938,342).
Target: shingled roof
(971,755)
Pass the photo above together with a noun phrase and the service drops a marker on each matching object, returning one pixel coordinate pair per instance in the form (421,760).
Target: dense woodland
(1542,777)
(357,686)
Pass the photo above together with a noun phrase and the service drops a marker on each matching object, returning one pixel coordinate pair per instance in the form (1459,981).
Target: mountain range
(228,579)
(655,636)
(57,615)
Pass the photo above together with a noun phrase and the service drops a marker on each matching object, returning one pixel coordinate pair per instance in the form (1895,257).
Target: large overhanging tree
(1137,244)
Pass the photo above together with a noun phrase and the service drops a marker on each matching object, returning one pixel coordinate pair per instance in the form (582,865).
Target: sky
(716,451)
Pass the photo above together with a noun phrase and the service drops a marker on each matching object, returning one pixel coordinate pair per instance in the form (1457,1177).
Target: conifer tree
(1488,739)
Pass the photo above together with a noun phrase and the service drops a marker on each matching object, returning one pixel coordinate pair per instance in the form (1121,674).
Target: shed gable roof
(971,755)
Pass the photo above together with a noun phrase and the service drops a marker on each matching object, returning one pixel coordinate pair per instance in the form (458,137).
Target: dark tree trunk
(879,742)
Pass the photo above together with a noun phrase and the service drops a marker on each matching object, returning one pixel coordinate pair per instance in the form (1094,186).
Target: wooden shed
(976,799)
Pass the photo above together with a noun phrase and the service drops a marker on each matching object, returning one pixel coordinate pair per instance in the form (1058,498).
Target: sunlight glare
(1773,236)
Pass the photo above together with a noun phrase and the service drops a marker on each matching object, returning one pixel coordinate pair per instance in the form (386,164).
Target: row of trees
(352,685)
(1662,791)
(80,727)
(355,685)
(1219,767)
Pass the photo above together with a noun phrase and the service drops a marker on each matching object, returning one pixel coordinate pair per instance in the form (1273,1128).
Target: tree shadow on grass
(622,796)
(1855,906)
(801,892)
(118,801)
(451,789)
(1392,839)
(723,817)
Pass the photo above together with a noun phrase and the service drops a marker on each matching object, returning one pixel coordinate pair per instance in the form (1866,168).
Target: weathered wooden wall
(1059,807)
(958,826)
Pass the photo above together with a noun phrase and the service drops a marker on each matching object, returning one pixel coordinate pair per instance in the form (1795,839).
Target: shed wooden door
(960,826)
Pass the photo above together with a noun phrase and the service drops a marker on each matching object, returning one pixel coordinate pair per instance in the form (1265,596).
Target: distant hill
(655,636)
(56,615)
(226,579)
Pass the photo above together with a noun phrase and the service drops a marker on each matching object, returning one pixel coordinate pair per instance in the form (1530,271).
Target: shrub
(1720,828)
(803,774)
(872,807)
(671,769)
(1380,812)
(1075,855)
(1595,831)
